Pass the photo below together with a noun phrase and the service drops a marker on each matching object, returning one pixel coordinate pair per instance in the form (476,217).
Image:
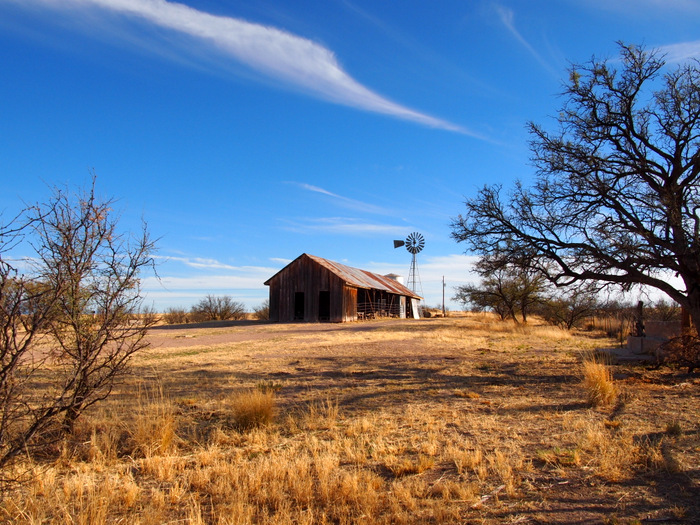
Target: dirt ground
(221,332)
(523,388)
(442,420)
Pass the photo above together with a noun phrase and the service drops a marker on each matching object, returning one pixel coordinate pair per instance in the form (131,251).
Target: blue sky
(248,133)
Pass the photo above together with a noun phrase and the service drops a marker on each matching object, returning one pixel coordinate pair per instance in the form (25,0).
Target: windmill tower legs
(414,282)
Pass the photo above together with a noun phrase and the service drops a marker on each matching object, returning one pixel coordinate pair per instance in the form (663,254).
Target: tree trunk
(694,307)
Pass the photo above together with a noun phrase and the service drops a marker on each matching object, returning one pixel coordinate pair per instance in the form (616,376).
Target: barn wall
(348,306)
(306,276)
(274,301)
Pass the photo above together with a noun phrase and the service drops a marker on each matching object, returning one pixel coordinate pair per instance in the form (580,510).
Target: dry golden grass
(253,408)
(435,421)
(153,430)
(598,381)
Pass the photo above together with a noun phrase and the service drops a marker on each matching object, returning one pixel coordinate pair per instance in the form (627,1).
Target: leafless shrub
(682,351)
(262,312)
(571,308)
(218,308)
(663,310)
(506,289)
(71,321)
(176,315)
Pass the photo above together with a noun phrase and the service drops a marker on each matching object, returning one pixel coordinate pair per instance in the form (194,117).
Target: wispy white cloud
(316,189)
(456,268)
(346,202)
(278,54)
(200,263)
(212,283)
(635,7)
(207,264)
(681,52)
(342,226)
(281,261)
(507,17)
(173,287)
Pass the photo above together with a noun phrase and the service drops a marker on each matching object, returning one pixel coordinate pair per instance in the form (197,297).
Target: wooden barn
(313,289)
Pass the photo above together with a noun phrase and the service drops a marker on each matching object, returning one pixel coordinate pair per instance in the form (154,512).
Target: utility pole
(443,296)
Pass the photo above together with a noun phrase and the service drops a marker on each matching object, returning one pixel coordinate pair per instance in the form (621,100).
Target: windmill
(414,243)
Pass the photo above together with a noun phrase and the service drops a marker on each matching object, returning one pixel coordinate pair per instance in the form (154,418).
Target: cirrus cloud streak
(278,54)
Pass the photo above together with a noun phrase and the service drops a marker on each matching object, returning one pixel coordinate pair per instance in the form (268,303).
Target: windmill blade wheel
(415,242)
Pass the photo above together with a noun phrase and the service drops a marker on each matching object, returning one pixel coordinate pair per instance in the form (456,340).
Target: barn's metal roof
(361,278)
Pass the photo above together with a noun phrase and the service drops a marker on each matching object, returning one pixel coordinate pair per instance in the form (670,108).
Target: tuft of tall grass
(321,414)
(253,408)
(466,460)
(557,457)
(154,430)
(598,382)
(506,464)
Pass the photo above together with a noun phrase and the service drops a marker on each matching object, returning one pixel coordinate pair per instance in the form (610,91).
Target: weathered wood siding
(349,306)
(309,278)
(314,289)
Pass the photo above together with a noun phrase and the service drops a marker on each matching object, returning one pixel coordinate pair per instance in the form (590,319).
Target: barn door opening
(298,306)
(324,306)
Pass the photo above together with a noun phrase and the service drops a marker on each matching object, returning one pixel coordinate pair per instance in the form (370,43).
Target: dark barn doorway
(324,305)
(298,306)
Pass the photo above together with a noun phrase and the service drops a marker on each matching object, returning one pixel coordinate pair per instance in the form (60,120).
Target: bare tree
(479,298)
(69,326)
(665,311)
(505,289)
(570,308)
(617,198)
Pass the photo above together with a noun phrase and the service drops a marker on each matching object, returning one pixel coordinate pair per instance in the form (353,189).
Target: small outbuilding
(314,289)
